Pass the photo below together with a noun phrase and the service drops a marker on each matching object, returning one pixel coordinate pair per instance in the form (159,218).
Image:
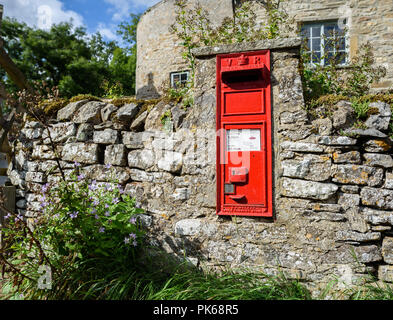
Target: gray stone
(379,160)
(59,132)
(287,117)
(38,177)
(378,145)
(143,176)
(81,152)
(301,146)
(345,235)
(385,273)
(377,217)
(127,112)
(107,111)
(32,133)
(142,159)
(344,116)
(367,254)
(387,250)
(85,132)
(388,181)
(324,126)
(170,161)
(188,227)
(139,121)
(68,112)
(178,114)
(337,141)
(356,219)
(350,189)
(102,173)
(43,152)
(312,167)
(347,157)
(374,133)
(381,198)
(329,207)
(347,200)
(153,120)
(136,140)
(354,174)
(90,113)
(308,189)
(381,120)
(116,155)
(22,203)
(107,136)
(181,194)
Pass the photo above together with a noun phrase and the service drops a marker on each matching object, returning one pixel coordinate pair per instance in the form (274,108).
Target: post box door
(245,165)
(244,152)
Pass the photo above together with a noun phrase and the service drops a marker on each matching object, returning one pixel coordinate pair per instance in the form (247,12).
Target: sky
(95,15)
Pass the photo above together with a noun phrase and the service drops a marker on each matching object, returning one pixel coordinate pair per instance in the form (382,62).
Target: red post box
(244,148)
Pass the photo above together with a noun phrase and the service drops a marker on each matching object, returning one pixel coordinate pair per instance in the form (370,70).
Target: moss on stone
(80,97)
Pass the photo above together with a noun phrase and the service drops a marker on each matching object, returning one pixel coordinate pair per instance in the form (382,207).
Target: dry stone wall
(333,184)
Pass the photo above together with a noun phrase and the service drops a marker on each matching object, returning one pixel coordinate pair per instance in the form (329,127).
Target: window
(179,79)
(325,43)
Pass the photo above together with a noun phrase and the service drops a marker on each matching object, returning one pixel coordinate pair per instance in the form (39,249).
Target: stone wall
(159,51)
(333,183)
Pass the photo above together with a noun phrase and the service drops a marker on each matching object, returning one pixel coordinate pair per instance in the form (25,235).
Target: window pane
(340,57)
(316,57)
(184,77)
(330,30)
(316,44)
(341,44)
(316,31)
(305,32)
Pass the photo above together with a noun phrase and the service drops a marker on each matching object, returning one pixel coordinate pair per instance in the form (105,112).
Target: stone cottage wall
(333,193)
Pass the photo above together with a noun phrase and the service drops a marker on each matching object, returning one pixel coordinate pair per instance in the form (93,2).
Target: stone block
(378,145)
(385,273)
(311,167)
(107,136)
(347,157)
(379,160)
(127,112)
(337,141)
(170,161)
(367,254)
(141,159)
(68,112)
(59,132)
(387,250)
(388,180)
(301,146)
(116,155)
(308,189)
(81,152)
(381,198)
(107,111)
(360,175)
(188,227)
(101,172)
(85,132)
(89,113)
(377,217)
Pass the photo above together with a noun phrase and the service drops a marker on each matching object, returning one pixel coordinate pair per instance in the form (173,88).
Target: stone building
(159,50)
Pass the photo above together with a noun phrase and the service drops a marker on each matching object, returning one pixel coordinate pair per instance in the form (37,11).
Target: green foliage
(81,221)
(361,108)
(66,57)
(354,80)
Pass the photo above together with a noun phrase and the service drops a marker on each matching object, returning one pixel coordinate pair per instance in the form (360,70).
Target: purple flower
(19,217)
(44,188)
(7,216)
(96,203)
(108,166)
(96,216)
(94,210)
(135,243)
(74,214)
(132,220)
(101,230)
(132,235)
(81,177)
(77,164)
(115,200)
(93,186)
(107,214)
(126,240)
(106,205)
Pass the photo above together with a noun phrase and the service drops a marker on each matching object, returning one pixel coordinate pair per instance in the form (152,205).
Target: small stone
(378,217)
(388,180)
(385,273)
(367,254)
(337,141)
(116,155)
(381,198)
(387,250)
(107,136)
(59,132)
(81,152)
(139,121)
(68,112)
(90,113)
(324,126)
(366,133)
(136,140)
(127,112)
(345,235)
(170,161)
(38,177)
(354,174)
(85,132)
(301,146)
(378,145)
(350,189)
(188,227)
(344,116)
(142,159)
(178,114)
(380,160)
(308,189)
(153,120)
(347,200)
(107,111)
(287,117)
(347,157)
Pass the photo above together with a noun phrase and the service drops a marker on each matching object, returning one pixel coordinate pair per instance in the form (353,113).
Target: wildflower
(101,230)
(74,214)
(108,166)
(132,235)
(135,243)
(107,214)
(94,210)
(81,177)
(77,164)
(44,188)
(126,240)
(7,216)
(115,200)
(106,205)
(132,220)
(96,203)
(96,216)
(93,186)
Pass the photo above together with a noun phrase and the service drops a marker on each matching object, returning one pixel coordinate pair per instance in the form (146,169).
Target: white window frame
(179,73)
(322,35)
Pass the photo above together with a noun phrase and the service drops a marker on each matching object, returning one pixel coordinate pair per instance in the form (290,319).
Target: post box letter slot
(238,175)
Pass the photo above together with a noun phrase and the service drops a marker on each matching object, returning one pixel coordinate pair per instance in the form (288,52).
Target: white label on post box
(244,140)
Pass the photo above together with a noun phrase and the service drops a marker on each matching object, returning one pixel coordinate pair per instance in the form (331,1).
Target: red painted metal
(244,148)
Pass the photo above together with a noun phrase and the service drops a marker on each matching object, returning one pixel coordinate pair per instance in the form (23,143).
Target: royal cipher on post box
(244,147)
